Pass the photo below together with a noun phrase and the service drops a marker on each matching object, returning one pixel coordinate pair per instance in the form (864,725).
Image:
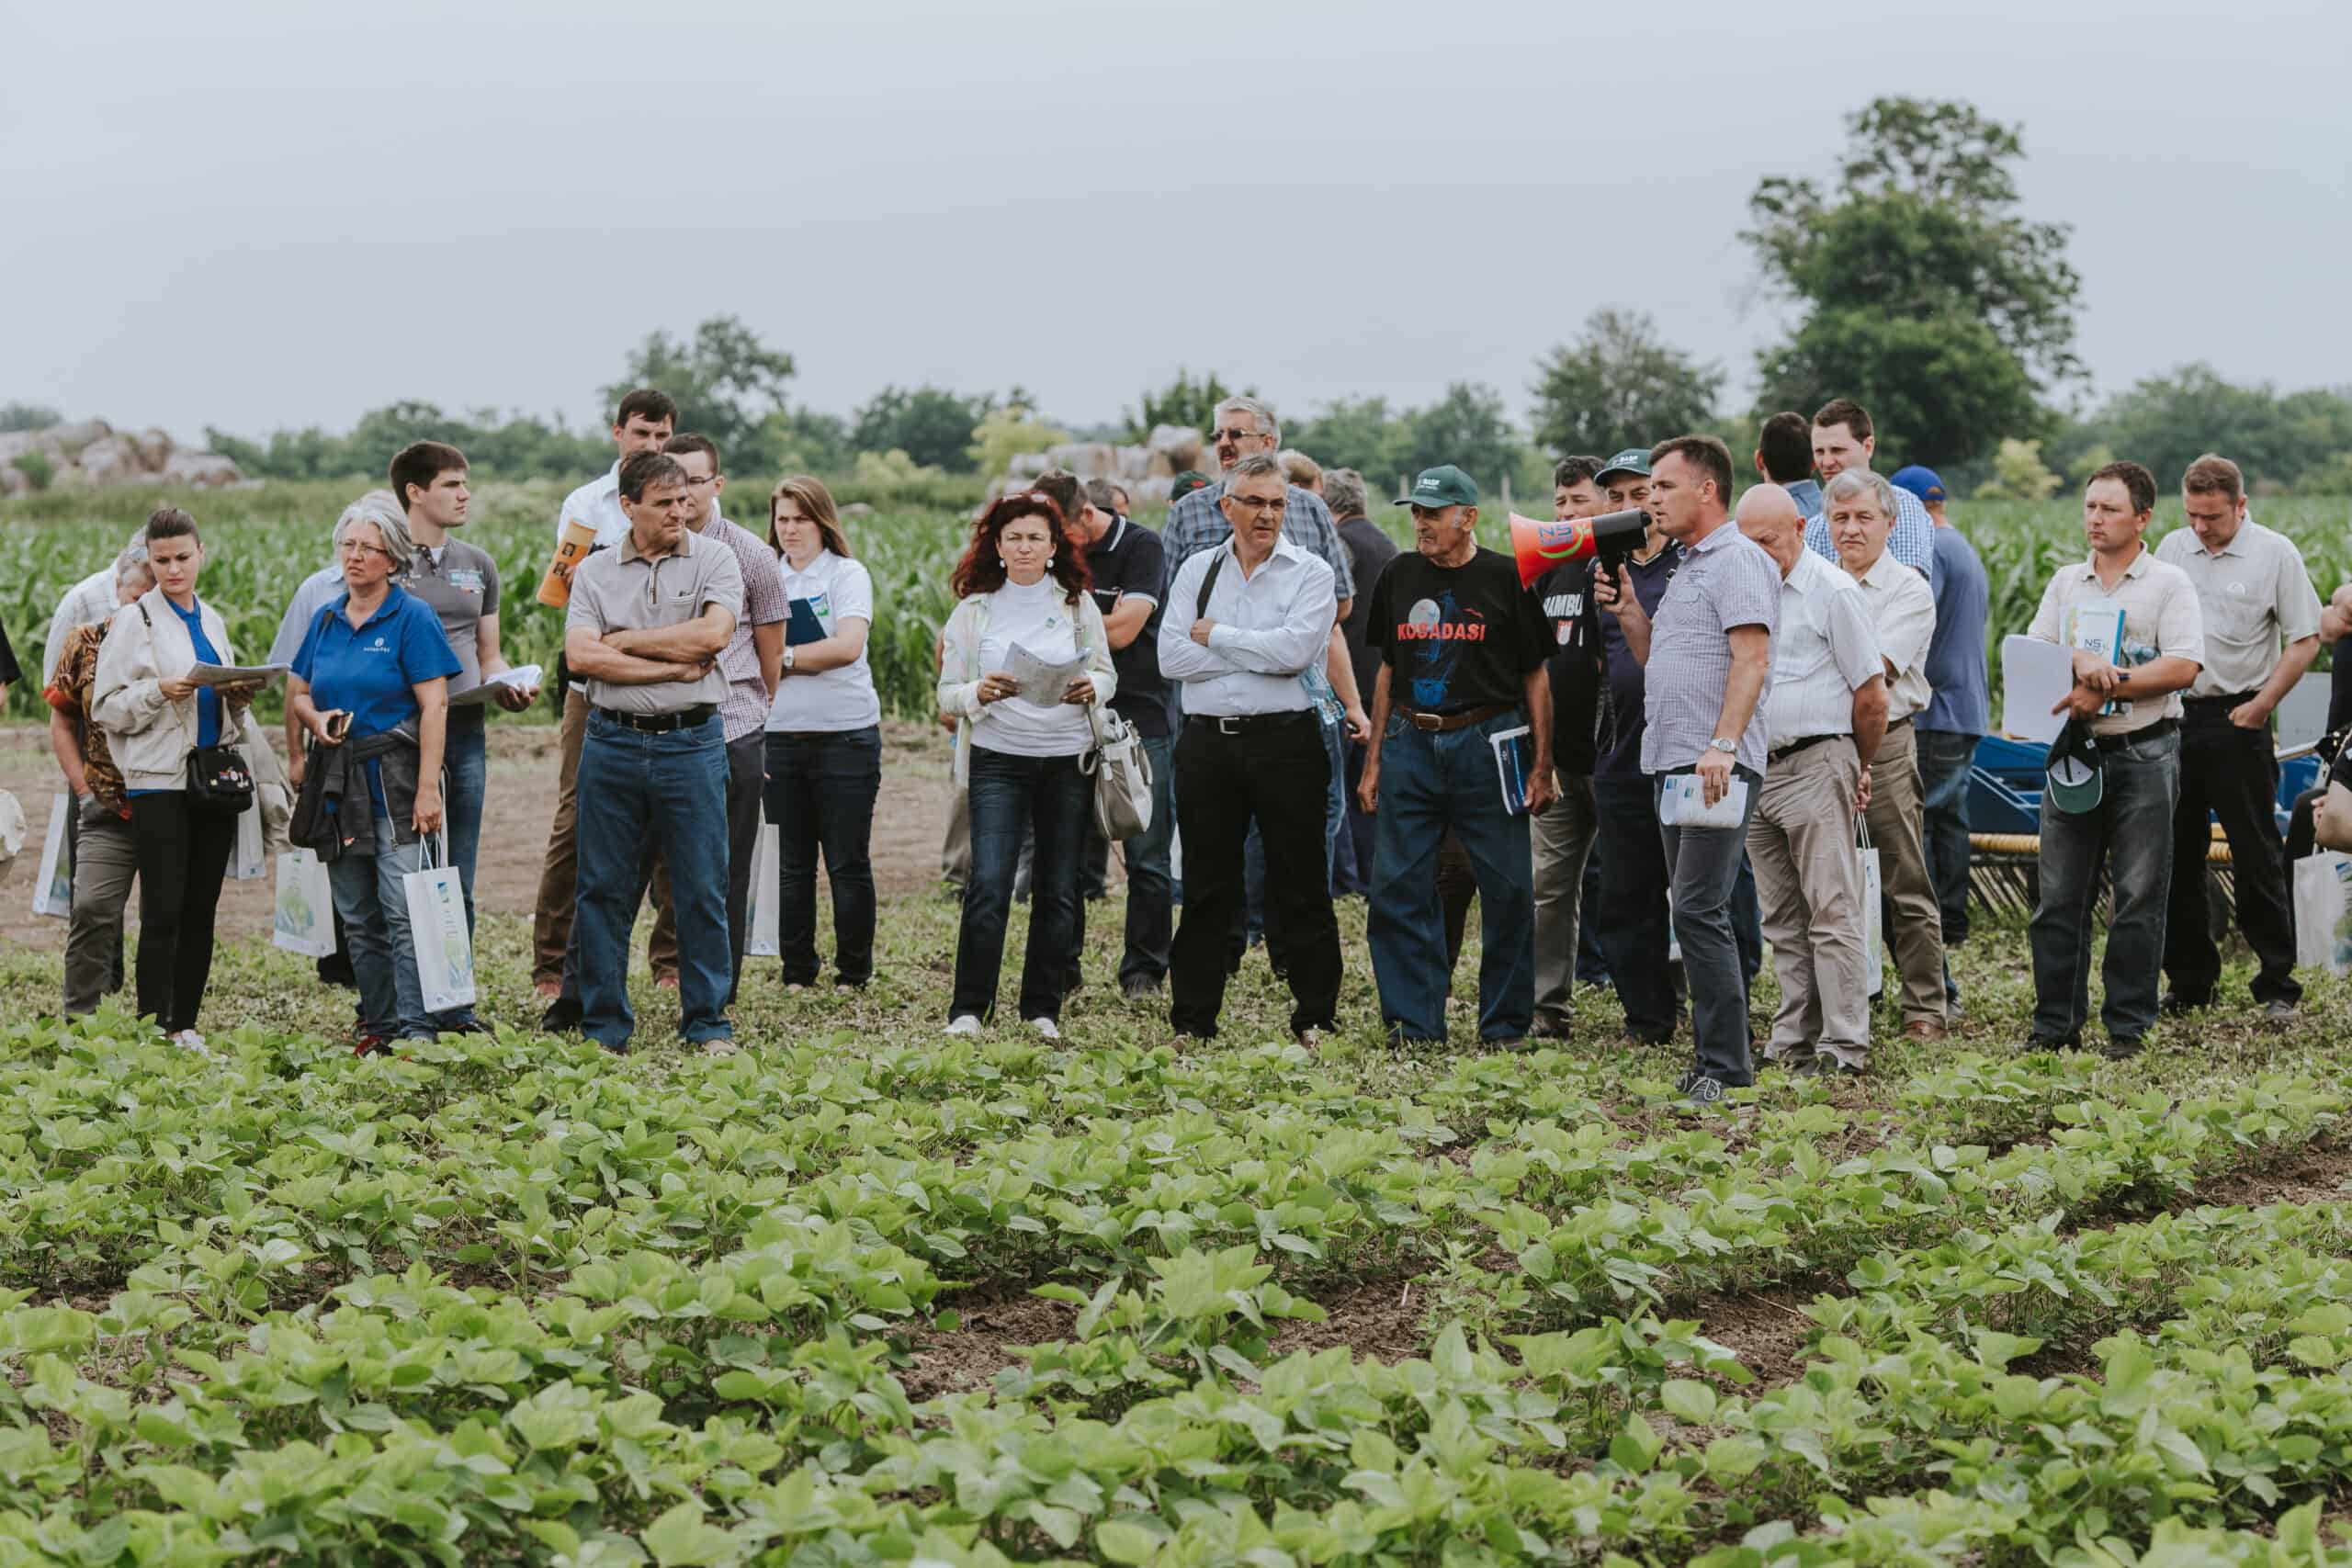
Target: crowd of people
(1704,740)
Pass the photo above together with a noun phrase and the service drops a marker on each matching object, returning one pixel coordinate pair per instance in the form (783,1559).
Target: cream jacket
(959,668)
(150,735)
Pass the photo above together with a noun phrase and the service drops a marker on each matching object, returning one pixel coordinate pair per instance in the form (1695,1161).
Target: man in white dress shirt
(1242,622)
(1860,508)
(1825,713)
(645,418)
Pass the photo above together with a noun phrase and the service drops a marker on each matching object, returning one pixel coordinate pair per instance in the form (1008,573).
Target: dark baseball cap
(1632,460)
(1923,482)
(2075,774)
(1444,485)
(1185,483)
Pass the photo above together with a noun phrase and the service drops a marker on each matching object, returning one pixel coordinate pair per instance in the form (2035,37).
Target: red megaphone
(1539,545)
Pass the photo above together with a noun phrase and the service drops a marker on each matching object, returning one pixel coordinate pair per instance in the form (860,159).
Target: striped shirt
(1823,652)
(1724,580)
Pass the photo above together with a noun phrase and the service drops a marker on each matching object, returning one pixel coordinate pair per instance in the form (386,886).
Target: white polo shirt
(2253,594)
(598,504)
(2161,620)
(831,590)
(1823,652)
(1903,612)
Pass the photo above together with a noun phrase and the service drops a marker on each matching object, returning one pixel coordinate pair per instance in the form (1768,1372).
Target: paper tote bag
(443,945)
(303,919)
(1873,915)
(54,891)
(764,914)
(247,865)
(2322,901)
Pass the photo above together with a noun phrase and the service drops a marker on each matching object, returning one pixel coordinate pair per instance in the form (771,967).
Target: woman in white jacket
(1022,587)
(154,718)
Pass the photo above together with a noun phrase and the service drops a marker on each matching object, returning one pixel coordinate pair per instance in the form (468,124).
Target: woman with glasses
(155,717)
(1023,607)
(371,688)
(824,737)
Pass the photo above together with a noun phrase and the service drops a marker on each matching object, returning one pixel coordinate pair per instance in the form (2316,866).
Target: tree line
(1911,281)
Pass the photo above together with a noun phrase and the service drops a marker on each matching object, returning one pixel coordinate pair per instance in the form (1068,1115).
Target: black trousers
(2233,774)
(1273,771)
(183,855)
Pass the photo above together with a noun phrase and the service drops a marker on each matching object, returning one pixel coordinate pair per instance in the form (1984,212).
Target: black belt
(664,723)
(1793,747)
(2155,731)
(1243,724)
(1439,723)
(2223,703)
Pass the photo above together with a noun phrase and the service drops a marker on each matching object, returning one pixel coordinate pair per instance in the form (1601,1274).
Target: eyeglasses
(1272,503)
(355,547)
(1236,437)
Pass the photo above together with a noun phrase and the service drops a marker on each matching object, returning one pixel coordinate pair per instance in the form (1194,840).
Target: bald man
(1825,715)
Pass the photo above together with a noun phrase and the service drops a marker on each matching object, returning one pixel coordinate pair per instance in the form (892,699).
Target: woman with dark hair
(1022,591)
(155,717)
(824,737)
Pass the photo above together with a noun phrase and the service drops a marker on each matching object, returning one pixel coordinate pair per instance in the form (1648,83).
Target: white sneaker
(969,1023)
(1045,1027)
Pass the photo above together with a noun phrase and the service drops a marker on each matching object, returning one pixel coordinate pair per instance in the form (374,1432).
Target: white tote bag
(248,864)
(53,890)
(437,933)
(303,919)
(12,833)
(1873,918)
(2322,902)
(766,917)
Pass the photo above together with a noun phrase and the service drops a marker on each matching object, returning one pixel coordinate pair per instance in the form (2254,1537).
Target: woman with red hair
(1021,588)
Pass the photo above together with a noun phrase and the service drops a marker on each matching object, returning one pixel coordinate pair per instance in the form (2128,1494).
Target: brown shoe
(1926,1028)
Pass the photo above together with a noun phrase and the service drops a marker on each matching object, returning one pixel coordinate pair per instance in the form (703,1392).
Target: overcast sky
(257,214)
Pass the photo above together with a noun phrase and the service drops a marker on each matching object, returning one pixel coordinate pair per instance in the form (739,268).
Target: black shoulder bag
(220,784)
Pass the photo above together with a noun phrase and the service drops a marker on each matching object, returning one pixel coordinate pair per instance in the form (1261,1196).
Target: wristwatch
(1719,744)
(788,656)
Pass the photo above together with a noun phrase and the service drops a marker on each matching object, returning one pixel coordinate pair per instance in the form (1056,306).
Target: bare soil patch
(1766,1329)
(1381,1319)
(982,1343)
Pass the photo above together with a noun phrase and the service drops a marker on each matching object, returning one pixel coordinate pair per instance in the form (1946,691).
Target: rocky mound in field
(90,452)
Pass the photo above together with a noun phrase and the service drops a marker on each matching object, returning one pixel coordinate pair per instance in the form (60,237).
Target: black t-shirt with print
(1566,594)
(1457,638)
(1129,559)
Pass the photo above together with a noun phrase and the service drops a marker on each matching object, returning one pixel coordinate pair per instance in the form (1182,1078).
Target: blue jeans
(1049,797)
(1429,783)
(1946,762)
(2131,833)
(465,771)
(374,907)
(1705,865)
(820,791)
(636,790)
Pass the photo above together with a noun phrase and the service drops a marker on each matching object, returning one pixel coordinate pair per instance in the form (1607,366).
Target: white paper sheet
(1041,682)
(1682,803)
(522,679)
(237,674)
(2035,676)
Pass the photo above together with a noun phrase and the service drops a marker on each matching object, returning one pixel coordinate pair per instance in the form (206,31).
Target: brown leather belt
(1439,723)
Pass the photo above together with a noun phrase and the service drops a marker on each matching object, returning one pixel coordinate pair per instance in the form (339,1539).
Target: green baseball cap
(2074,774)
(1632,460)
(1444,485)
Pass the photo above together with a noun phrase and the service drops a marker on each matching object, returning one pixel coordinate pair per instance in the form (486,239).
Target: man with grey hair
(88,603)
(1858,507)
(1247,427)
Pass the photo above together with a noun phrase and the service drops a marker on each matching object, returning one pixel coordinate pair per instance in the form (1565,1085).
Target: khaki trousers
(559,873)
(1800,843)
(1916,932)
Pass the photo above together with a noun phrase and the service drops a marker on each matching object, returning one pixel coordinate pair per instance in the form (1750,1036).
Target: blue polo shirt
(370,670)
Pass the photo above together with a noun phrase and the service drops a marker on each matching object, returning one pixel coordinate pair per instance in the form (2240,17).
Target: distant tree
(891,468)
(27,416)
(1620,384)
(932,425)
(726,382)
(806,442)
(1353,433)
(2331,476)
(2168,421)
(2020,474)
(36,467)
(1917,266)
(1183,402)
(1007,433)
(1468,428)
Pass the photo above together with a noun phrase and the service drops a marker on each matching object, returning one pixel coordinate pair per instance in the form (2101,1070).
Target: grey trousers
(1560,841)
(1809,887)
(1898,806)
(104,865)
